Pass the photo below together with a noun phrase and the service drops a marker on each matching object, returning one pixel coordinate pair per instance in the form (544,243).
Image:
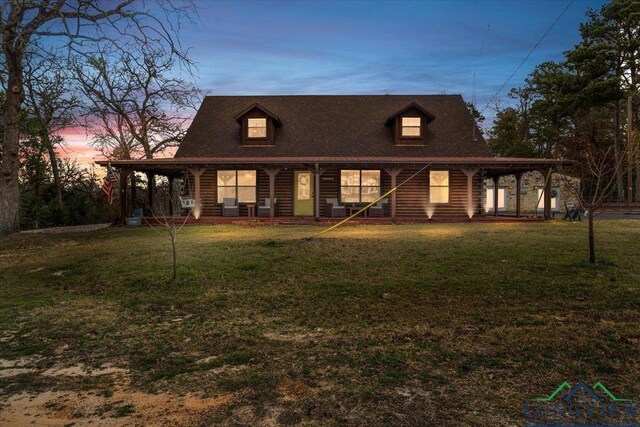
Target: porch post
(470,174)
(150,188)
(124,173)
(496,179)
(518,182)
(316,191)
(272,190)
(547,195)
(197,210)
(393,172)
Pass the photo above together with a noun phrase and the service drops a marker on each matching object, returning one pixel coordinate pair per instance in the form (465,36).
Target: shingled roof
(333,125)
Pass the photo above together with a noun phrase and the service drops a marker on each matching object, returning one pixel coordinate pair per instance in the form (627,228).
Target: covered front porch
(286,190)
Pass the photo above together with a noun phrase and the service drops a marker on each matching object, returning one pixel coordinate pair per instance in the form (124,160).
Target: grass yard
(434,324)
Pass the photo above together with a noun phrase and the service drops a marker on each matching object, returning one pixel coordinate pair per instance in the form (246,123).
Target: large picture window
(358,186)
(439,186)
(239,185)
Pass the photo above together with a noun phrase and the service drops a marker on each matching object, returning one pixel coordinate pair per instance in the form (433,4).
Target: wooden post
(518,182)
(470,173)
(124,173)
(496,179)
(316,191)
(272,190)
(393,173)
(197,209)
(150,188)
(547,195)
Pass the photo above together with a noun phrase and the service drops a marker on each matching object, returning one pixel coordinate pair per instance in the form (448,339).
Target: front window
(411,126)
(359,186)
(555,199)
(502,199)
(439,186)
(239,185)
(257,128)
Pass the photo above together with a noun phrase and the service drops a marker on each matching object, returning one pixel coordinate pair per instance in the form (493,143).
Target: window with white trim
(502,199)
(555,199)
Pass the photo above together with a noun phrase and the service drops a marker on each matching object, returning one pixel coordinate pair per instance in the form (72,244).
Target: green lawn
(443,324)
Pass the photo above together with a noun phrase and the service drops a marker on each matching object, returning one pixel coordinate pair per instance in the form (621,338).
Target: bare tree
(138,107)
(163,219)
(50,103)
(597,167)
(70,23)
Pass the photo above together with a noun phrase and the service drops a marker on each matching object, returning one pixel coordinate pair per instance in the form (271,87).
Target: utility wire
(455,143)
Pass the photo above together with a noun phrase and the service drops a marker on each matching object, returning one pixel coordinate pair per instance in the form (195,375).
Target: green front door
(303,193)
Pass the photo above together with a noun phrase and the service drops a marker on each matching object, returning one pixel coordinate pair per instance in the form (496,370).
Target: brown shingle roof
(332,126)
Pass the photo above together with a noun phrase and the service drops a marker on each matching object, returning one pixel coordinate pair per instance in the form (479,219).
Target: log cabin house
(303,156)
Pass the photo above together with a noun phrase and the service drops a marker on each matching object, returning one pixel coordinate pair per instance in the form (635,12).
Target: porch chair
(378,210)
(333,209)
(230,207)
(264,211)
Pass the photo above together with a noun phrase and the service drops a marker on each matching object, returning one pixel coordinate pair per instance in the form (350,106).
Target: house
(318,156)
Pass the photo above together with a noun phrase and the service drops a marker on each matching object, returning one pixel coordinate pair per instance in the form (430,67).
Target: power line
(459,140)
(528,55)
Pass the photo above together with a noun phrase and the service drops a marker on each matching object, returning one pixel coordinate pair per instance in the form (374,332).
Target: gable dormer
(257,125)
(410,125)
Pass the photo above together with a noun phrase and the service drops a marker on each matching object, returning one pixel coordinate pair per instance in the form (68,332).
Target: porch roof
(497,165)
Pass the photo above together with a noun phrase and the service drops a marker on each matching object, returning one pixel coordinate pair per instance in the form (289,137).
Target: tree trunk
(53,158)
(173,231)
(618,154)
(592,245)
(9,160)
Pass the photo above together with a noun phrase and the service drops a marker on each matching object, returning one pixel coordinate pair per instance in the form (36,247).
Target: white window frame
(555,201)
(504,199)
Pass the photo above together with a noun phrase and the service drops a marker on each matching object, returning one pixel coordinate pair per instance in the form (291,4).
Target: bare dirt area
(118,405)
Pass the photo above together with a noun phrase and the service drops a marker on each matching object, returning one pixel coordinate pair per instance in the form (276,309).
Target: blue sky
(372,47)
(376,47)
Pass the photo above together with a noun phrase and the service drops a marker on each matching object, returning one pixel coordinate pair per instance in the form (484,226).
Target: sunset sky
(369,47)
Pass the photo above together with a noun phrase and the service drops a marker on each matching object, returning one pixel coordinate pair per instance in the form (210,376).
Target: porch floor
(293,220)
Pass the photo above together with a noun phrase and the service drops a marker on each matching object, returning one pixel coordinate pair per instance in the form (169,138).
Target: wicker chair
(333,209)
(378,210)
(230,207)
(264,211)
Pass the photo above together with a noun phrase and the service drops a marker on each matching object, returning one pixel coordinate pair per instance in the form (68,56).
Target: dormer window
(411,126)
(257,128)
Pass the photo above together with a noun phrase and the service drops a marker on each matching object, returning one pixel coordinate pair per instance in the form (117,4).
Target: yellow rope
(357,213)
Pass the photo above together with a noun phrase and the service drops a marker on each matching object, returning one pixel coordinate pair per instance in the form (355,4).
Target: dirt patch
(83,371)
(122,407)
(293,389)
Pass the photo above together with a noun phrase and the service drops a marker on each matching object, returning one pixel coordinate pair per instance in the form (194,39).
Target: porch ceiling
(493,165)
